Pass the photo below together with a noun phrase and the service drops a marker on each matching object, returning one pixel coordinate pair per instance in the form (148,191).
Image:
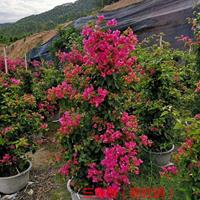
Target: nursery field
(108,118)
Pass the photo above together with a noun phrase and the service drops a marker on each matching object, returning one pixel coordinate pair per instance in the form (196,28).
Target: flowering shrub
(188,154)
(161,92)
(100,137)
(43,78)
(12,64)
(187,157)
(36,81)
(68,37)
(20,125)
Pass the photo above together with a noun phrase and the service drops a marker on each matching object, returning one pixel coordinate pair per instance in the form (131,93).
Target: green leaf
(2,142)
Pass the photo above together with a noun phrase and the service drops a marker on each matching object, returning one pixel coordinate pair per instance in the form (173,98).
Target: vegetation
(68,37)
(115,97)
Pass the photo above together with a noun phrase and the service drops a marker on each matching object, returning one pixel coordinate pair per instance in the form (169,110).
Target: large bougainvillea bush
(101,145)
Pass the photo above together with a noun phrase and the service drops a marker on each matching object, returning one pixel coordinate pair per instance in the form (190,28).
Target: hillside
(20,47)
(50,19)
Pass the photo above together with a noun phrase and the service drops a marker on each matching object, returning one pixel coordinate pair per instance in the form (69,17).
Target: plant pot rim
(163,152)
(73,192)
(20,174)
(68,186)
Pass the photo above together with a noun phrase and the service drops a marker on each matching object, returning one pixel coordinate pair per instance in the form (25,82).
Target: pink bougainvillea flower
(197,116)
(36,63)
(88,93)
(6,159)
(15,81)
(69,121)
(145,141)
(64,170)
(93,98)
(93,77)
(100,19)
(112,22)
(7,129)
(94,173)
(154,129)
(44,126)
(170,169)
(60,91)
(130,121)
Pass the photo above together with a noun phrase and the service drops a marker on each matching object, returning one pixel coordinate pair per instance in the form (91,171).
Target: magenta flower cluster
(93,98)
(60,91)
(68,122)
(6,159)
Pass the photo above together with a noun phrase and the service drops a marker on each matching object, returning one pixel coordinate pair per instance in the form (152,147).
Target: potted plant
(187,157)
(100,141)
(19,126)
(161,90)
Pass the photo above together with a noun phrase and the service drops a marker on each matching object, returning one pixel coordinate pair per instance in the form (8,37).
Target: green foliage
(164,90)
(188,156)
(19,124)
(68,37)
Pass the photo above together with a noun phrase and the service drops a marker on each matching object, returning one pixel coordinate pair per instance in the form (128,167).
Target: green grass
(60,193)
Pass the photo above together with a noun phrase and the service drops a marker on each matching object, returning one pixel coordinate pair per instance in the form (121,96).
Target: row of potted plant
(117,99)
(24,115)
(20,125)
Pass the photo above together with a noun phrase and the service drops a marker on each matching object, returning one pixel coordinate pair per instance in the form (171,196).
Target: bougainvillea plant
(20,124)
(161,91)
(99,136)
(12,64)
(187,157)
